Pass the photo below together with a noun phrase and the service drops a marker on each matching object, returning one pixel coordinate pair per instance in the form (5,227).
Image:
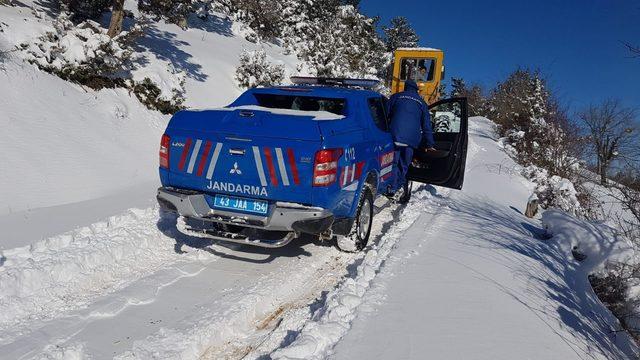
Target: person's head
(410,85)
(423,70)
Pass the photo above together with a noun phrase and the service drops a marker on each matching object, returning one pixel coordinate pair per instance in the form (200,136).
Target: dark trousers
(402,160)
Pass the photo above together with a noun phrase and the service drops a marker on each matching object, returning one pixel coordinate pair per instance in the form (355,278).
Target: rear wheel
(358,237)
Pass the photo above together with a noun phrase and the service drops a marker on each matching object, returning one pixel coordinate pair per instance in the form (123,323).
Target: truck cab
(286,160)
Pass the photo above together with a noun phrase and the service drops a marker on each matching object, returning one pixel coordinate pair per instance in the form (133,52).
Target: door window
(446,117)
(378,114)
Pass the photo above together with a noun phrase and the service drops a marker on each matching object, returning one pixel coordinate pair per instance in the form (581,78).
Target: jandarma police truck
(309,158)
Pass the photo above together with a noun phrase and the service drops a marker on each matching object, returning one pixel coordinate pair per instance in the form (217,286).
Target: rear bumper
(287,217)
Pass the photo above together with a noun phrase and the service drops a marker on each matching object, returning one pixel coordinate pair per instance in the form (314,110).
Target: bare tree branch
(612,133)
(635,50)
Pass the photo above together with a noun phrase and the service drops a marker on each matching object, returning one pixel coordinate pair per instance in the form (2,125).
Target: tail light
(325,167)
(164,151)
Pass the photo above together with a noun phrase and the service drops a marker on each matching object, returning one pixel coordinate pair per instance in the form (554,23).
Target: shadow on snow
(557,290)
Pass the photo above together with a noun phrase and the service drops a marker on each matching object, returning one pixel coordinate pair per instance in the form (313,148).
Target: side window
(378,114)
(446,117)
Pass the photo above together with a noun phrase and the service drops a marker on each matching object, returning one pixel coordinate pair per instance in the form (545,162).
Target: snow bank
(64,144)
(597,241)
(67,271)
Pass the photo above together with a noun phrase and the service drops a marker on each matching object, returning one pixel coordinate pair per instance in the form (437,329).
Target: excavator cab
(423,65)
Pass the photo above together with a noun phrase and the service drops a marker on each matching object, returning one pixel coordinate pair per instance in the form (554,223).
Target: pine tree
(333,39)
(458,87)
(400,34)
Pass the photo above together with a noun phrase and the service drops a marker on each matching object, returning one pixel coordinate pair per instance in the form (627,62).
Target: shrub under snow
(82,53)
(255,70)
(554,191)
(85,54)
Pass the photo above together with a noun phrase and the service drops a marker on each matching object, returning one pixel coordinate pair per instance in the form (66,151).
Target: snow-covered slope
(64,144)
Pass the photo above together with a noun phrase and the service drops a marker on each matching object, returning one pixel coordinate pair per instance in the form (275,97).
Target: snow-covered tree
(519,100)
(400,34)
(534,125)
(262,16)
(256,70)
(337,40)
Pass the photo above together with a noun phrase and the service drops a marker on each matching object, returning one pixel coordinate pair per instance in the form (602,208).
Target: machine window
(378,114)
(419,70)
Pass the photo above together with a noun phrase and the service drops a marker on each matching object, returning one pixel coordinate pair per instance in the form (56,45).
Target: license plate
(238,204)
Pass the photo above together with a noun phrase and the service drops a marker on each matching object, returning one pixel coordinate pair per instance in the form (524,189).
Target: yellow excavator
(423,65)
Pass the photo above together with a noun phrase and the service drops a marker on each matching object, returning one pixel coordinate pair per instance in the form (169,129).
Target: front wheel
(361,229)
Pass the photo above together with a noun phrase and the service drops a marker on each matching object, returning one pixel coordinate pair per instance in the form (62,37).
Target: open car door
(445,166)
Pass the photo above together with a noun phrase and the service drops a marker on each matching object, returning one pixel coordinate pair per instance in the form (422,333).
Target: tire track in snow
(68,272)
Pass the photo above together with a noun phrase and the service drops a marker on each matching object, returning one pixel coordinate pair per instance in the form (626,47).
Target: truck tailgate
(244,153)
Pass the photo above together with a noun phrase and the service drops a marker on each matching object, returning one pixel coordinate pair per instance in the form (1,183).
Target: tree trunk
(117,15)
(603,173)
(183,23)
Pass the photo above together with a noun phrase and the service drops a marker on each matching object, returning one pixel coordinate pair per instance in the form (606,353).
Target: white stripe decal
(283,169)
(256,155)
(194,156)
(344,178)
(386,170)
(353,172)
(214,161)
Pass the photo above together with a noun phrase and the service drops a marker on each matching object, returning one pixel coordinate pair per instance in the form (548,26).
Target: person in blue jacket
(410,125)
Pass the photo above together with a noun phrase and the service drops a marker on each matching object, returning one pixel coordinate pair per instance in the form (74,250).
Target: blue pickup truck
(282,161)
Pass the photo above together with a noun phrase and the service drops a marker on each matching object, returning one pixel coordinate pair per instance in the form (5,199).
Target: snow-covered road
(451,275)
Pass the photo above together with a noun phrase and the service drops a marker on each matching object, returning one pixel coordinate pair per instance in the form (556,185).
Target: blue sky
(576,44)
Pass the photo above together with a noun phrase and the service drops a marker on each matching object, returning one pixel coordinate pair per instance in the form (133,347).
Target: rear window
(301,103)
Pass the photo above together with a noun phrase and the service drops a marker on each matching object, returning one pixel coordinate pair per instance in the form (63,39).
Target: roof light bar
(309,80)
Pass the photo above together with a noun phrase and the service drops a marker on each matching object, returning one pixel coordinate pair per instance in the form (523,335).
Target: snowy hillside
(66,144)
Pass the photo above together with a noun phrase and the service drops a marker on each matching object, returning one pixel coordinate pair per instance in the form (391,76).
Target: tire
(407,193)
(361,230)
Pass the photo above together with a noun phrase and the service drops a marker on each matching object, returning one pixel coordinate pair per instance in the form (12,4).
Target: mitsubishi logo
(235,169)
